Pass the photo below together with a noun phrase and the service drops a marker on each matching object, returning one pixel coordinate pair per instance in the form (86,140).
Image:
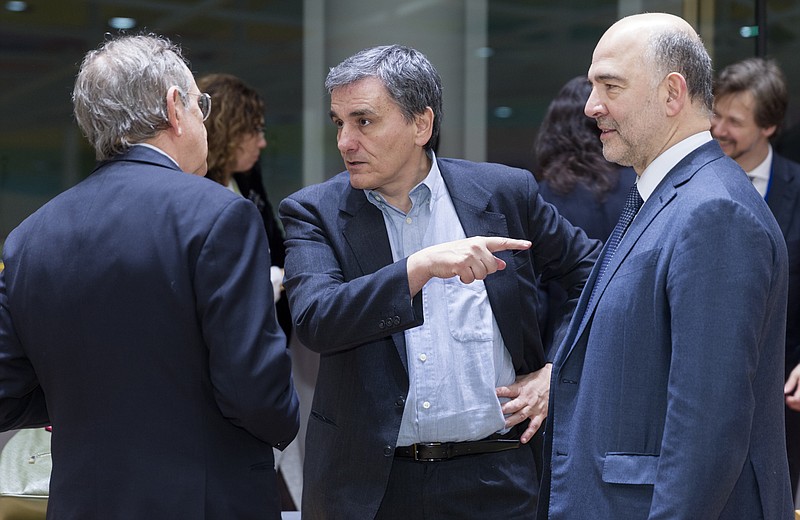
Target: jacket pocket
(321,418)
(630,468)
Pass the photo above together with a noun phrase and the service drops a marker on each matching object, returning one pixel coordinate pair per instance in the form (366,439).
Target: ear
(677,93)
(423,126)
(769,131)
(174,111)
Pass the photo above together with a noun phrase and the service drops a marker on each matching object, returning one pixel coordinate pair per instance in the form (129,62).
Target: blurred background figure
(574,176)
(750,100)
(235,140)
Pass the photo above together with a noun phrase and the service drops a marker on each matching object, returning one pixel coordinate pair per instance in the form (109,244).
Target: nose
(594,108)
(262,142)
(345,139)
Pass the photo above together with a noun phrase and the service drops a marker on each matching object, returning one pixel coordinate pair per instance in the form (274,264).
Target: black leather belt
(438,451)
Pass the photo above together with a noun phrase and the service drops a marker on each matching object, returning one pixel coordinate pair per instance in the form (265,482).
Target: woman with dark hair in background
(574,176)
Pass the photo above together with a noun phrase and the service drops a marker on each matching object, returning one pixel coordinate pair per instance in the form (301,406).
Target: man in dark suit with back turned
(116,308)
(750,100)
(666,399)
(414,278)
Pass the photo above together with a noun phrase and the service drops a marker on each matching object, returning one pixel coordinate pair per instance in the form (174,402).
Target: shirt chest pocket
(469,314)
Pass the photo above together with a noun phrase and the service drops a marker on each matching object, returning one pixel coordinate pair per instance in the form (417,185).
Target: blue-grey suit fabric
(668,403)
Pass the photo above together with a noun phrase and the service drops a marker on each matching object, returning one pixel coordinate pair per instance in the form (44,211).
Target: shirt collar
(661,166)
(762,170)
(159,150)
(430,185)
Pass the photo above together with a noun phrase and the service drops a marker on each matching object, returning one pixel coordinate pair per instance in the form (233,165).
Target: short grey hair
(120,93)
(410,79)
(675,50)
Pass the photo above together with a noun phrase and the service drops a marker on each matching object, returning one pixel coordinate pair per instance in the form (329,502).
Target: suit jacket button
(388,451)
(396,320)
(400,401)
(381,324)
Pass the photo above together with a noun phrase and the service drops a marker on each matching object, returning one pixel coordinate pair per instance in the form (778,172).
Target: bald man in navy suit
(666,400)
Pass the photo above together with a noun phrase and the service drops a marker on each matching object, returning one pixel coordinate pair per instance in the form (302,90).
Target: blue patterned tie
(632,205)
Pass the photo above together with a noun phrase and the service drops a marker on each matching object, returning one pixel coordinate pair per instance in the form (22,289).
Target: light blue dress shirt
(457,357)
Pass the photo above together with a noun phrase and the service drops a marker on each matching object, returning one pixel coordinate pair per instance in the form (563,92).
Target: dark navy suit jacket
(117,305)
(350,303)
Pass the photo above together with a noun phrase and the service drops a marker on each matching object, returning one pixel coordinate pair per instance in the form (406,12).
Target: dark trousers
(503,485)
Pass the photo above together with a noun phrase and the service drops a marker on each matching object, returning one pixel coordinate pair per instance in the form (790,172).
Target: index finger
(503,243)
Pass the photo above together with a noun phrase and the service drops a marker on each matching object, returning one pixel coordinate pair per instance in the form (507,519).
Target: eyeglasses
(204,102)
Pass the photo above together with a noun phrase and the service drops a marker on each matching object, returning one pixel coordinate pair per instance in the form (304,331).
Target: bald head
(666,44)
(653,22)
(651,80)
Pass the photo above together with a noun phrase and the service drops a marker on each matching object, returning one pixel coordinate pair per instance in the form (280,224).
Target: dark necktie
(632,205)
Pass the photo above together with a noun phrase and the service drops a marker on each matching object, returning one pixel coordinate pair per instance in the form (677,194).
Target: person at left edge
(115,313)
(400,272)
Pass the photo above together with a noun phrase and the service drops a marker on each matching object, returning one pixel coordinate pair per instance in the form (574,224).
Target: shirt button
(388,451)
(426,405)
(408,220)
(423,357)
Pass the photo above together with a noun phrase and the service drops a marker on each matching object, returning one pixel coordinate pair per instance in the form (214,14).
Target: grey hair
(120,93)
(675,50)
(410,79)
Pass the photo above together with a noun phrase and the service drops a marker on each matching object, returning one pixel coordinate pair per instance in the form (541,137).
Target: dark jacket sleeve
(249,364)
(22,403)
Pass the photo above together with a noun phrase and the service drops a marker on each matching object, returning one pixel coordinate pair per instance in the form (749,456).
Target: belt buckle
(416,446)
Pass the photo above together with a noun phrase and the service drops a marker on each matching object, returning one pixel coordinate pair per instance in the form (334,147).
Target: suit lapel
(654,205)
(365,233)
(782,194)
(471,202)
(664,193)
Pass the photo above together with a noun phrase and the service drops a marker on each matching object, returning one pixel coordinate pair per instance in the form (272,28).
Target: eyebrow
(608,77)
(355,113)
